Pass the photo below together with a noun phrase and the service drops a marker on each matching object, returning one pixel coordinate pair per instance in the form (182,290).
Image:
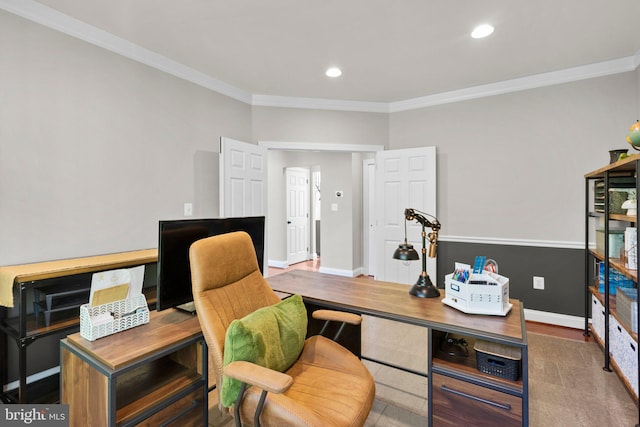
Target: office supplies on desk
(477,293)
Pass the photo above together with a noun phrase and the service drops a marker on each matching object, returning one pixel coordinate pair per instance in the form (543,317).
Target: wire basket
(498,360)
(114,317)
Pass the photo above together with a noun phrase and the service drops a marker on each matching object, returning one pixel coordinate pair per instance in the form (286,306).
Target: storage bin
(498,360)
(627,308)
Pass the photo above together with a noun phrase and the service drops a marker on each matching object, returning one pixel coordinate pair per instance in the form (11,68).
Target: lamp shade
(405,252)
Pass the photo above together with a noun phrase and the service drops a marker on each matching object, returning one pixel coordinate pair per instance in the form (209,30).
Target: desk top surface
(392,301)
(165,328)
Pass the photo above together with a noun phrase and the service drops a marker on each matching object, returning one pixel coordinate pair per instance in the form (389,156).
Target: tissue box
(484,293)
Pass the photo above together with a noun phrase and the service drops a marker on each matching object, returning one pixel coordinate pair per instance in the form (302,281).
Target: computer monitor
(174,239)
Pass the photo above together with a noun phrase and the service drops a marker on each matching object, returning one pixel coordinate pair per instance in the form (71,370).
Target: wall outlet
(538,282)
(188,209)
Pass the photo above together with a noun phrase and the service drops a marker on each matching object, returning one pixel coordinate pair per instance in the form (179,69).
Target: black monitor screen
(175,238)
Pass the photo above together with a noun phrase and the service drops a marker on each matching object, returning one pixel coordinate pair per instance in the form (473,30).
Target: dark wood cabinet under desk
(153,374)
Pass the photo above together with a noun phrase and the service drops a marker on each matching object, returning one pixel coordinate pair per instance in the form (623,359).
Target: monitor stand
(189,307)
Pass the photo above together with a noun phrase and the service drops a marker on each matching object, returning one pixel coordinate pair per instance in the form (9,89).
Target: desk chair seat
(326,386)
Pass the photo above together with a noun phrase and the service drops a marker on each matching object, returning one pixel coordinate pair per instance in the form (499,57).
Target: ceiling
(388,50)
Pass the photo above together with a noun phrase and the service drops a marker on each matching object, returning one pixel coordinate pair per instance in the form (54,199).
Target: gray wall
(95,148)
(512,166)
(511,172)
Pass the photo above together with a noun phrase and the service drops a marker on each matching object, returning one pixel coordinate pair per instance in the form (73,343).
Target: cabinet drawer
(457,403)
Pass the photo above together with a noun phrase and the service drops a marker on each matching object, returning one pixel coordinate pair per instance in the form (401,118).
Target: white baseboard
(337,272)
(32,378)
(277,264)
(565,320)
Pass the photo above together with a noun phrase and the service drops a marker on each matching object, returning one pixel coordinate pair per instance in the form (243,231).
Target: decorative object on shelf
(633,137)
(618,154)
(630,204)
(630,248)
(423,288)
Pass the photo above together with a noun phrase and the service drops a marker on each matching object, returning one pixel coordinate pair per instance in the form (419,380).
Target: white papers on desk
(107,279)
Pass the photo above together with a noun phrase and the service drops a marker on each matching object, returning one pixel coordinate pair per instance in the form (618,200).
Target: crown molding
(37,12)
(319,104)
(584,72)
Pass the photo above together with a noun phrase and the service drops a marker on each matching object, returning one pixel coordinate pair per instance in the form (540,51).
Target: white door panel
(404,179)
(243,182)
(297,215)
(243,179)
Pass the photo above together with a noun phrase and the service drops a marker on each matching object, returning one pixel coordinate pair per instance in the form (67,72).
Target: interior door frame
(327,147)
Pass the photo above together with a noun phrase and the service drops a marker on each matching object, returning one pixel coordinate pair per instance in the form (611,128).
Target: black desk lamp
(423,288)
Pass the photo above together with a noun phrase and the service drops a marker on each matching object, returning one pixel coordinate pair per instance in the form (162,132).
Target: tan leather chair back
(227,285)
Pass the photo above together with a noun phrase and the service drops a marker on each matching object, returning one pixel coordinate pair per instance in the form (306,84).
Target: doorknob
(288,222)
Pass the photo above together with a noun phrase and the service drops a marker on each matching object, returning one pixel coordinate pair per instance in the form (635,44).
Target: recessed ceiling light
(482,31)
(333,72)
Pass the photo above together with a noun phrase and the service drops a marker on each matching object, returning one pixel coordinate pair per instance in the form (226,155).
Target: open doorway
(336,202)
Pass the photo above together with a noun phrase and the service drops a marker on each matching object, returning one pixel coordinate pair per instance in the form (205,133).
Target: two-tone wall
(95,148)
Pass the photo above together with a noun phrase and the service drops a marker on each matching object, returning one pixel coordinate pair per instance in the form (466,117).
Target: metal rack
(628,167)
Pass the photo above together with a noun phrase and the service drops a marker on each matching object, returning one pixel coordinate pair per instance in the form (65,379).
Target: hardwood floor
(536,327)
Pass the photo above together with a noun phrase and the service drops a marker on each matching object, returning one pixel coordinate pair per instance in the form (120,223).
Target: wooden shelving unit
(606,326)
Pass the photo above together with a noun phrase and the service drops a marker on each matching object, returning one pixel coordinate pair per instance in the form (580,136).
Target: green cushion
(272,337)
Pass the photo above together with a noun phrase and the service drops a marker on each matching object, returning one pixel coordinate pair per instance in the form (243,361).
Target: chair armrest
(264,378)
(337,316)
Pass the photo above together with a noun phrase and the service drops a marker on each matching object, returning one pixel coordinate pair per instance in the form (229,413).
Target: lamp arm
(411,214)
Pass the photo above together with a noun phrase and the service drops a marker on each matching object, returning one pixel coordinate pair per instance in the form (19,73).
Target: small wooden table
(475,395)
(148,374)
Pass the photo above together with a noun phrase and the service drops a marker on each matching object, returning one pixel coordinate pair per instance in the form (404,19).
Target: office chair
(326,385)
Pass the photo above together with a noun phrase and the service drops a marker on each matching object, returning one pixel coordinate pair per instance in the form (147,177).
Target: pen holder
(106,319)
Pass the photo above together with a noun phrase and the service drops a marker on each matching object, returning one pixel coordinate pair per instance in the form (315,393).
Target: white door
(297,215)
(243,183)
(243,179)
(404,179)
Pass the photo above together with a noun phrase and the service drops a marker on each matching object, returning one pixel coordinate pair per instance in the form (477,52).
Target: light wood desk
(458,394)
